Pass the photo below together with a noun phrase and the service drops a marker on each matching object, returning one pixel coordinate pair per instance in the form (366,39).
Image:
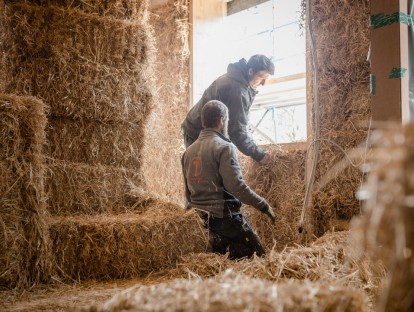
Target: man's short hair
(260,62)
(212,112)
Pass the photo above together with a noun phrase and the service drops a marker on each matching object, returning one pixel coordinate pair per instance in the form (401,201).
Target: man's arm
(186,190)
(233,181)
(238,131)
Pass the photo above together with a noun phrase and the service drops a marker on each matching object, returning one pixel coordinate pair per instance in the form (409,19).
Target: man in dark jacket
(214,185)
(236,89)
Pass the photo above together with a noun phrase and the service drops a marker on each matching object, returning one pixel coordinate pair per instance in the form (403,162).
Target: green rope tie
(372,84)
(380,19)
(397,72)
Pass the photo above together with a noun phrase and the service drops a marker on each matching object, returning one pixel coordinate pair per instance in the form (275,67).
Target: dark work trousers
(233,234)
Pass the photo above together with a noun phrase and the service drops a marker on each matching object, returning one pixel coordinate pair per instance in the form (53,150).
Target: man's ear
(221,123)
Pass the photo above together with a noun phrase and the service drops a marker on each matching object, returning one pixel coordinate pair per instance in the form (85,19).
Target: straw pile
(24,241)
(163,138)
(125,245)
(235,292)
(281,183)
(341,32)
(385,231)
(329,259)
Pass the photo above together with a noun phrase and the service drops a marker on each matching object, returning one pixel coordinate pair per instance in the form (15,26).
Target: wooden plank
(389,54)
(236,6)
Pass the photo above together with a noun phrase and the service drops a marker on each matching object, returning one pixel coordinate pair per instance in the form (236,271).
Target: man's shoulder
(225,144)
(229,81)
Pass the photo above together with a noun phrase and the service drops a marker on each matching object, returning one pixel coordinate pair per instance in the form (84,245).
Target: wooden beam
(389,60)
(236,6)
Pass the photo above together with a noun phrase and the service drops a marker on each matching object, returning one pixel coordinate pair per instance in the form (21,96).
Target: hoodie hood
(238,72)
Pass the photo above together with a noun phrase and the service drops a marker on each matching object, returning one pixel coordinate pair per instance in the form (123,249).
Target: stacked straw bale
(341,32)
(281,183)
(235,292)
(79,188)
(92,64)
(82,141)
(83,65)
(25,257)
(163,138)
(121,9)
(385,231)
(129,244)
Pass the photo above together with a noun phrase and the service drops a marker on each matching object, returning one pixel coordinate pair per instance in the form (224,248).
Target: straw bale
(385,230)
(126,245)
(85,90)
(341,34)
(79,188)
(24,241)
(3,57)
(83,66)
(121,9)
(235,292)
(51,32)
(337,178)
(281,183)
(163,138)
(94,142)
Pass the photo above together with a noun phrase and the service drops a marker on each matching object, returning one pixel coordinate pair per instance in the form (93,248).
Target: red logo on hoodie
(196,167)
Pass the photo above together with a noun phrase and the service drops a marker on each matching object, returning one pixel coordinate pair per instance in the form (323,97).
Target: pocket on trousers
(238,219)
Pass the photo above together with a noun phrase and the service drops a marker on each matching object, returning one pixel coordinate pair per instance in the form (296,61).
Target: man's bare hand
(265,160)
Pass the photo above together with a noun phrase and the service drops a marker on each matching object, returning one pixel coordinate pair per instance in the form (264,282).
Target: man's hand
(271,214)
(265,160)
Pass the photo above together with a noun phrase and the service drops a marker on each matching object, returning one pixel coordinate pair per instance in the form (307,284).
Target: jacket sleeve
(238,109)
(233,181)
(186,190)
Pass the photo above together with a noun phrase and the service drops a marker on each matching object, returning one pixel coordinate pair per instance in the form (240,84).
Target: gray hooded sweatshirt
(211,170)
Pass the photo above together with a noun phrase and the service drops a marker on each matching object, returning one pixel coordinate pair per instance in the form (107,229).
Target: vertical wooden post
(389,60)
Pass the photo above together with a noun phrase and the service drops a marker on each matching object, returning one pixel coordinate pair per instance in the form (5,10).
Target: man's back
(201,169)
(212,173)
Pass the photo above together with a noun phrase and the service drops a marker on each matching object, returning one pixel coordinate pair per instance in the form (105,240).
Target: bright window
(278,114)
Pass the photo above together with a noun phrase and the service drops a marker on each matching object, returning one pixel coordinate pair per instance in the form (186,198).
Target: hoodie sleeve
(233,181)
(186,190)
(238,109)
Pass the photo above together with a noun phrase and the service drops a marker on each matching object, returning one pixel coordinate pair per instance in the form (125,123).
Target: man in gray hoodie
(237,90)
(214,185)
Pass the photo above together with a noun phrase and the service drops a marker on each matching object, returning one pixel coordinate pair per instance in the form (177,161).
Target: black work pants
(233,234)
